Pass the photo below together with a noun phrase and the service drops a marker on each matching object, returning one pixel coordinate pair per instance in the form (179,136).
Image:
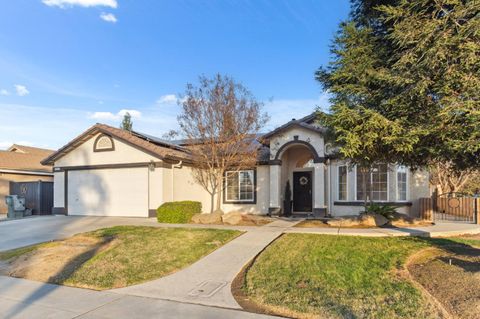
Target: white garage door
(108,192)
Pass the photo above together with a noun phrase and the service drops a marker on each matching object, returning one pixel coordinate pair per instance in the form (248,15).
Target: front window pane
(376,183)
(402,183)
(342,183)
(240,186)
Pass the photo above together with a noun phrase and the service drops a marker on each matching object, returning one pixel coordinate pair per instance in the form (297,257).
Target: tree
(447,179)
(127,122)
(415,64)
(366,139)
(220,119)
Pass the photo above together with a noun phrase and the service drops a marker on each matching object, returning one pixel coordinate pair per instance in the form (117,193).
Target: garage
(108,192)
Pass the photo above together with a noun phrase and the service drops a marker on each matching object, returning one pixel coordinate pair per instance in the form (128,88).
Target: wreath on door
(303,180)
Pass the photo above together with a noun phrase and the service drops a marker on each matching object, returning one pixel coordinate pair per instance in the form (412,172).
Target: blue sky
(67,64)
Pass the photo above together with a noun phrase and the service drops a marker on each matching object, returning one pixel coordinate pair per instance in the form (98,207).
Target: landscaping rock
(212,218)
(373,220)
(232,218)
(344,222)
(403,220)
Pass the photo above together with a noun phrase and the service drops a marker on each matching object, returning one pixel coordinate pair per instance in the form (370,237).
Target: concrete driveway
(28,231)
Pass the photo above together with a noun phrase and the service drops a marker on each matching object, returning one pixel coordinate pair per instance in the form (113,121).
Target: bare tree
(449,180)
(221,120)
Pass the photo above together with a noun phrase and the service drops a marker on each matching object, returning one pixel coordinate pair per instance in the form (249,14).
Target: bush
(178,212)
(386,211)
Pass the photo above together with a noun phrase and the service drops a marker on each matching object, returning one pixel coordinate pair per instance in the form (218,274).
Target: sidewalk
(20,298)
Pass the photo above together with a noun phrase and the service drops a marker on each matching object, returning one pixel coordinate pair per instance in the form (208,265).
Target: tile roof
(25,158)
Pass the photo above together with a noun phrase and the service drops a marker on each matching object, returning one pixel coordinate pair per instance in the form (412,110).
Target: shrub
(386,211)
(178,212)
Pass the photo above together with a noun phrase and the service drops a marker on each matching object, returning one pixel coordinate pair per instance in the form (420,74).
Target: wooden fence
(465,209)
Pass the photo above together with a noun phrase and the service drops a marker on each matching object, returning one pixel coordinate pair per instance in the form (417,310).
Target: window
(240,186)
(402,183)
(377,183)
(342,183)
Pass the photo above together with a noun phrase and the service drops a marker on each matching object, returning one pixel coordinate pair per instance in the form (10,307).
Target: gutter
(22,172)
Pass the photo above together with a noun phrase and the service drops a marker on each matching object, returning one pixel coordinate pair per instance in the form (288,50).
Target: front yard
(113,257)
(307,276)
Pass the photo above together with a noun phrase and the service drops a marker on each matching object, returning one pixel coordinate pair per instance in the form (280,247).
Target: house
(21,163)
(111,172)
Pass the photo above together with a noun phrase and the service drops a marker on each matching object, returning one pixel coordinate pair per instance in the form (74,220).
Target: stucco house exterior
(20,163)
(107,171)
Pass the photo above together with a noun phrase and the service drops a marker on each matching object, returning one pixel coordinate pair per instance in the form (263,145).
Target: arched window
(103,143)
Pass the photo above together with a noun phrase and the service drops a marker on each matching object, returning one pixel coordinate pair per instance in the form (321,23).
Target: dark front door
(302,191)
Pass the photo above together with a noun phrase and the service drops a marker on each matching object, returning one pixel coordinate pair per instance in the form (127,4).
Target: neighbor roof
(24,158)
(149,144)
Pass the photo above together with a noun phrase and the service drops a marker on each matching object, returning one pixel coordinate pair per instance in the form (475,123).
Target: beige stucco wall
(84,155)
(59,189)
(6,178)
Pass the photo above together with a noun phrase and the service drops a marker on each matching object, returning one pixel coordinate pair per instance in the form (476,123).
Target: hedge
(178,212)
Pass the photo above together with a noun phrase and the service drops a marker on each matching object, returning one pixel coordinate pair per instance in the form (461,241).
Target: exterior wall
(262,195)
(182,186)
(84,155)
(6,178)
(418,187)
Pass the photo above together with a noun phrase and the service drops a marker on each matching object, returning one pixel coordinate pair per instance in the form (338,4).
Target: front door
(302,191)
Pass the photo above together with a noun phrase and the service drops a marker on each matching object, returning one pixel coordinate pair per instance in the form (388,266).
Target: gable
(292,134)
(97,151)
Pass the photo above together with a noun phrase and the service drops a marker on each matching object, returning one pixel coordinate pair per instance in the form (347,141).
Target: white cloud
(167,99)
(82,3)
(109,116)
(21,90)
(109,17)
(4,92)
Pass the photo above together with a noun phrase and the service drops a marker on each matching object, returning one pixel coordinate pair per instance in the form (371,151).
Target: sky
(68,64)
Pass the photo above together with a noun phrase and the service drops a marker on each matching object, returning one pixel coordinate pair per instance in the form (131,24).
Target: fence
(454,209)
(38,195)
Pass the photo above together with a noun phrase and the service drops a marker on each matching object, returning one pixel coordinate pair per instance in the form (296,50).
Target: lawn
(114,257)
(307,275)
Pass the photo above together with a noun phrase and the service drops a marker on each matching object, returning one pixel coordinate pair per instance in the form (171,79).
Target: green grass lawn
(306,275)
(116,257)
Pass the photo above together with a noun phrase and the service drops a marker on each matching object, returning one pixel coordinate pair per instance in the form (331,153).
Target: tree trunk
(212,200)
(219,192)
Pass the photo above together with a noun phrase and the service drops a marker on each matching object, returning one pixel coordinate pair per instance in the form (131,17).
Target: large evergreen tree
(416,64)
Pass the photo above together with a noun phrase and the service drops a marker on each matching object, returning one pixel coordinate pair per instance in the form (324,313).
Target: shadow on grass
(60,277)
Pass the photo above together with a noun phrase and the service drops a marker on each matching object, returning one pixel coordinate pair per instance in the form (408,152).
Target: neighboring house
(22,164)
(111,172)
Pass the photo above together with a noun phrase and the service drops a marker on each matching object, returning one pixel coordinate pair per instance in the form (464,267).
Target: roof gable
(137,140)
(305,122)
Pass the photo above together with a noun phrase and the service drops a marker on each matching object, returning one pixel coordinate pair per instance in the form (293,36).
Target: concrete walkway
(208,281)
(437,230)
(20,298)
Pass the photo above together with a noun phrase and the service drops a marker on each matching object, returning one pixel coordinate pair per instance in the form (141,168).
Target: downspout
(329,185)
(178,165)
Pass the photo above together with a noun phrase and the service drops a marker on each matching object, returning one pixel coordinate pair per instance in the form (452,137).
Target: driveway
(29,231)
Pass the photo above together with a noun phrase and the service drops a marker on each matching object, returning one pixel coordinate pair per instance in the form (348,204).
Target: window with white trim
(240,186)
(376,183)
(402,183)
(342,182)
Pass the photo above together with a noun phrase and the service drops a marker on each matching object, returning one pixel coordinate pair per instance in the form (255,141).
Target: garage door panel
(108,192)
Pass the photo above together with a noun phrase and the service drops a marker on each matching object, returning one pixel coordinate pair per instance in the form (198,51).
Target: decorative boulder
(232,218)
(373,220)
(212,218)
